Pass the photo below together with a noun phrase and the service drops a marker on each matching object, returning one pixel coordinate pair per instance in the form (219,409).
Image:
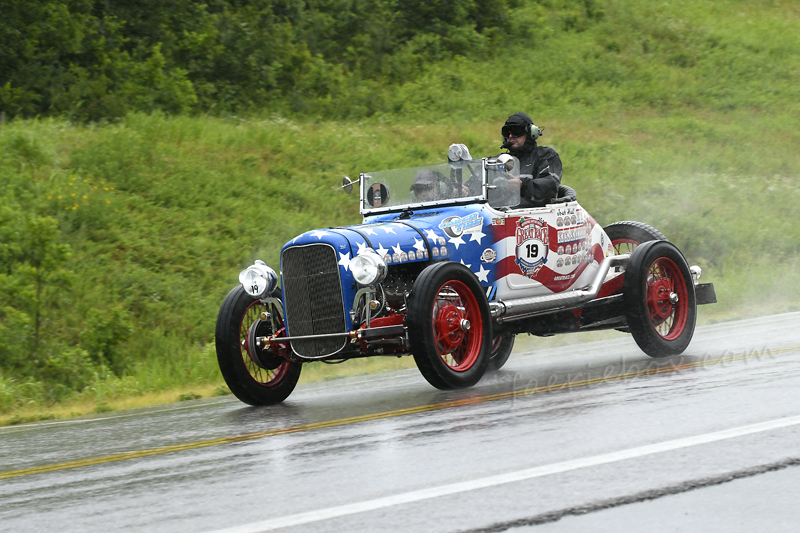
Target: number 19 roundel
(532,245)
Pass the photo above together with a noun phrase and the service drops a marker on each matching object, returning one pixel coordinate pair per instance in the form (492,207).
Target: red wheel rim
(624,246)
(667,298)
(457,326)
(262,376)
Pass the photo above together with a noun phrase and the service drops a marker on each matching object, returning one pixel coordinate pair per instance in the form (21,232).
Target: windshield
(503,181)
(430,185)
(445,183)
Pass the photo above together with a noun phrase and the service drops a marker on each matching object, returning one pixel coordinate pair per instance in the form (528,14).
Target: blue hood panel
(423,236)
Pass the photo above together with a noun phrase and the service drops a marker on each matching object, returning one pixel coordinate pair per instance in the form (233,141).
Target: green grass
(678,114)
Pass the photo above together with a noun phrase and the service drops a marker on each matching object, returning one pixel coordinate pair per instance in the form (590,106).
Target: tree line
(96,59)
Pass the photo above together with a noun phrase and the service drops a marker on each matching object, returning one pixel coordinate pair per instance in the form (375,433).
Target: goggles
(515,130)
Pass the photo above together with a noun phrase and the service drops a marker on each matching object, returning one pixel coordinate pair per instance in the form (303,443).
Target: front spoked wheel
(449,326)
(660,304)
(262,380)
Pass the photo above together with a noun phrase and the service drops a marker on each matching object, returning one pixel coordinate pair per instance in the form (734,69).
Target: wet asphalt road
(590,437)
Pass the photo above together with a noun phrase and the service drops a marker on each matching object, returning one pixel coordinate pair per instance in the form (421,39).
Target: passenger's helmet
(431,185)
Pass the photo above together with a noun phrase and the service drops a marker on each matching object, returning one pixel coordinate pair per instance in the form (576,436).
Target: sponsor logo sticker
(457,226)
(488,256)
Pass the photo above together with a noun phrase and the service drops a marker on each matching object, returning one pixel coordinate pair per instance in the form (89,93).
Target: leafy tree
(94,59)
(104,331)
(37,275)
(60,57)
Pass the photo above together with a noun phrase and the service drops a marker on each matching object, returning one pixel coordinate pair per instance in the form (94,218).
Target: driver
(540,166)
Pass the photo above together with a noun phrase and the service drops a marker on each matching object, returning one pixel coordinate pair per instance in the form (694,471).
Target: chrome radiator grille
(312,292)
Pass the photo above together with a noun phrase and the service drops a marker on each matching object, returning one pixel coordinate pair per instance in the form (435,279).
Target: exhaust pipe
(541,305)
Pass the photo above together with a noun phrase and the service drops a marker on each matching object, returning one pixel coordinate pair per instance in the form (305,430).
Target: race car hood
(396,242)
(421,236)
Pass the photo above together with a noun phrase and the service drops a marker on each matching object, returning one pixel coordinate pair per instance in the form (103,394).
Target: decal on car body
(532,241)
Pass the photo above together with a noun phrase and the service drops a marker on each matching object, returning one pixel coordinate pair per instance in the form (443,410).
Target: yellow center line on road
(385,414)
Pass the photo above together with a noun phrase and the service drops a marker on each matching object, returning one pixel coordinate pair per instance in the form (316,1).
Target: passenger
(430,185)
(540,166)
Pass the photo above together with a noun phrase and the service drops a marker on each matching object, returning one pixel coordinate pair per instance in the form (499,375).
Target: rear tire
(660,304)
(250,382)
(449,353)
(627,235)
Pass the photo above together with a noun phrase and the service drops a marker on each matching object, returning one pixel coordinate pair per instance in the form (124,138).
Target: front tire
(659,299)
(449,327)
(249,381)
(501,351)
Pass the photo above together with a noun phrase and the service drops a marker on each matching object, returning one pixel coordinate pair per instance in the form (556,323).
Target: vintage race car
(447,269)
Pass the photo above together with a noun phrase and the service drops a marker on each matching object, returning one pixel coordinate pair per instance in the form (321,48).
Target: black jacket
(540,170)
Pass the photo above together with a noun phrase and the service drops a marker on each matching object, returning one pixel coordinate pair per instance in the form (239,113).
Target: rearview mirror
(347,185)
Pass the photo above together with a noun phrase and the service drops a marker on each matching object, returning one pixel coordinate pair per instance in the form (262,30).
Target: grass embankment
(681,115)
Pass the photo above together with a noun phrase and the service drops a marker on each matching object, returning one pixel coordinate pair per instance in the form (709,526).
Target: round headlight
(258,280)
(368,268)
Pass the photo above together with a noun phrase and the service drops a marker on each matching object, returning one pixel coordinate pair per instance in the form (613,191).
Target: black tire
(500,351)
(447,355)
(248,381)
(661,326)
(627,235)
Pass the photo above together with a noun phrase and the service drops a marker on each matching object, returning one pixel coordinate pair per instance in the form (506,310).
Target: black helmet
(523,124)
(432,180)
